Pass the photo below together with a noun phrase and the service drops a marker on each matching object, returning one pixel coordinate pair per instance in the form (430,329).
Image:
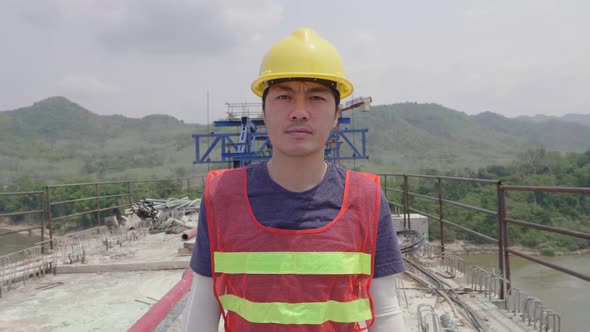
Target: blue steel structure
(251,142)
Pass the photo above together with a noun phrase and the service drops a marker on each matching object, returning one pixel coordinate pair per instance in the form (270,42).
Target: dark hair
(327,83)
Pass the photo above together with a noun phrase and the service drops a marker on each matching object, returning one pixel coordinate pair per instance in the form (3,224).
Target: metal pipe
(151,319)
(114,207)
(394,190)
(480,278)
(97,205)
(407,223)
(555,318)
(75,215)
(470,207)
(442,177)
(74,200)
(111,182)
(533,312)
(441,217)
(189,234)
(49,217)
(515,292)
(42,208)
(113,196)
(463,228)
(129,198)
(581,235)
(430,198)
(527,308)
(11,214)
(502,238)
(572,190)
(475,271)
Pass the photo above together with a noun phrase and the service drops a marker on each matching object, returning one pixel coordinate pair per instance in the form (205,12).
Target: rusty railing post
(97,205)
(407,223)
(129,198)
(49,217)
(441,216)
(503,263)
(42,205)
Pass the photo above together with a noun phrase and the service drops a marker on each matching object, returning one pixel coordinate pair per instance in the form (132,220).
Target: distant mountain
(412,135)
(581,119)
(56,138)
(553,133)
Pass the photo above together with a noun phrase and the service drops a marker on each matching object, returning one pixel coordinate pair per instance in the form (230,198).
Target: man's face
(299,117)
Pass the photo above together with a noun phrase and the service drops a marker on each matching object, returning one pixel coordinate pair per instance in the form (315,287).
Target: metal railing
(505,221)
(39,211)
(44,256)
(500,213)
(128,191)
(53,204)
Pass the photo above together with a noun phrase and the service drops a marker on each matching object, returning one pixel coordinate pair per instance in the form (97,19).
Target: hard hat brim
(345,87)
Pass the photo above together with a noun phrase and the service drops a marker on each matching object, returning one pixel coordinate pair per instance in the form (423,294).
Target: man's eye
(283,97)
(318,98)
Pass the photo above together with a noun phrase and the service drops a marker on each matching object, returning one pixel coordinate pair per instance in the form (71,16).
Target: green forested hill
(553,133)
(413,136)
(581,119)
(56,138)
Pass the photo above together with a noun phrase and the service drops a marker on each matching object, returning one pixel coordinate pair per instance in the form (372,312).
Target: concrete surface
(110,301)
(105,301)
(114,301)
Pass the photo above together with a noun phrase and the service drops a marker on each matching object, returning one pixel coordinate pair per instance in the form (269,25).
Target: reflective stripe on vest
(298,313)
(293,262)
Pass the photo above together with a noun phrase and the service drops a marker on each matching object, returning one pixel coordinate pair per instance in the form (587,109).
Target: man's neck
(296,174)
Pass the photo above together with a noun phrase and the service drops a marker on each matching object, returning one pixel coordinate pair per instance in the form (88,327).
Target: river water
(15,242)
(568,296)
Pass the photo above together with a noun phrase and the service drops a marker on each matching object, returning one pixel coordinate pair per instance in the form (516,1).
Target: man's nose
(299,111)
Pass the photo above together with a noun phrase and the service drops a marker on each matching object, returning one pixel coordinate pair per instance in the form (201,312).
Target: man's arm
(202,310)
(388,314)
(388,262)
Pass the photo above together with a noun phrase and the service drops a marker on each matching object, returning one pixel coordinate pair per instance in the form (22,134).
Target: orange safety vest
(269,279)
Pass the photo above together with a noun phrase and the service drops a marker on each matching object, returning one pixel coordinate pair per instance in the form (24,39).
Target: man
(295,243)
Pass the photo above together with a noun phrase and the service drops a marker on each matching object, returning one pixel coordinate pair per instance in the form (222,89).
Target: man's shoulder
(224,171)
(363,175)
(220,178)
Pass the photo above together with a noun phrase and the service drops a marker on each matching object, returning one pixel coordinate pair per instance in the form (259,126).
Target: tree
(532,160)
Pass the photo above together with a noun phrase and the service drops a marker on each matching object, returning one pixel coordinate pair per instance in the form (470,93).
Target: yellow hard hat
(303,54)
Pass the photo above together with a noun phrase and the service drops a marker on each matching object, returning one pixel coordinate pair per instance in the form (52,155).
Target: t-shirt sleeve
(201,258)
(388,258)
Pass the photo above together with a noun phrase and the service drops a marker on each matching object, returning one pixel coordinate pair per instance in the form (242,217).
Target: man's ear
(336,117)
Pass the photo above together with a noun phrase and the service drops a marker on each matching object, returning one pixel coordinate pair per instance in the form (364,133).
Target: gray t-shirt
(277,207)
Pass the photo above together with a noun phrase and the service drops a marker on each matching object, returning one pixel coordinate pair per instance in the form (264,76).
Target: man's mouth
(299,130)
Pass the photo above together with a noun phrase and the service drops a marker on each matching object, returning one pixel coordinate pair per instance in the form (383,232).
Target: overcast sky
(143,57)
